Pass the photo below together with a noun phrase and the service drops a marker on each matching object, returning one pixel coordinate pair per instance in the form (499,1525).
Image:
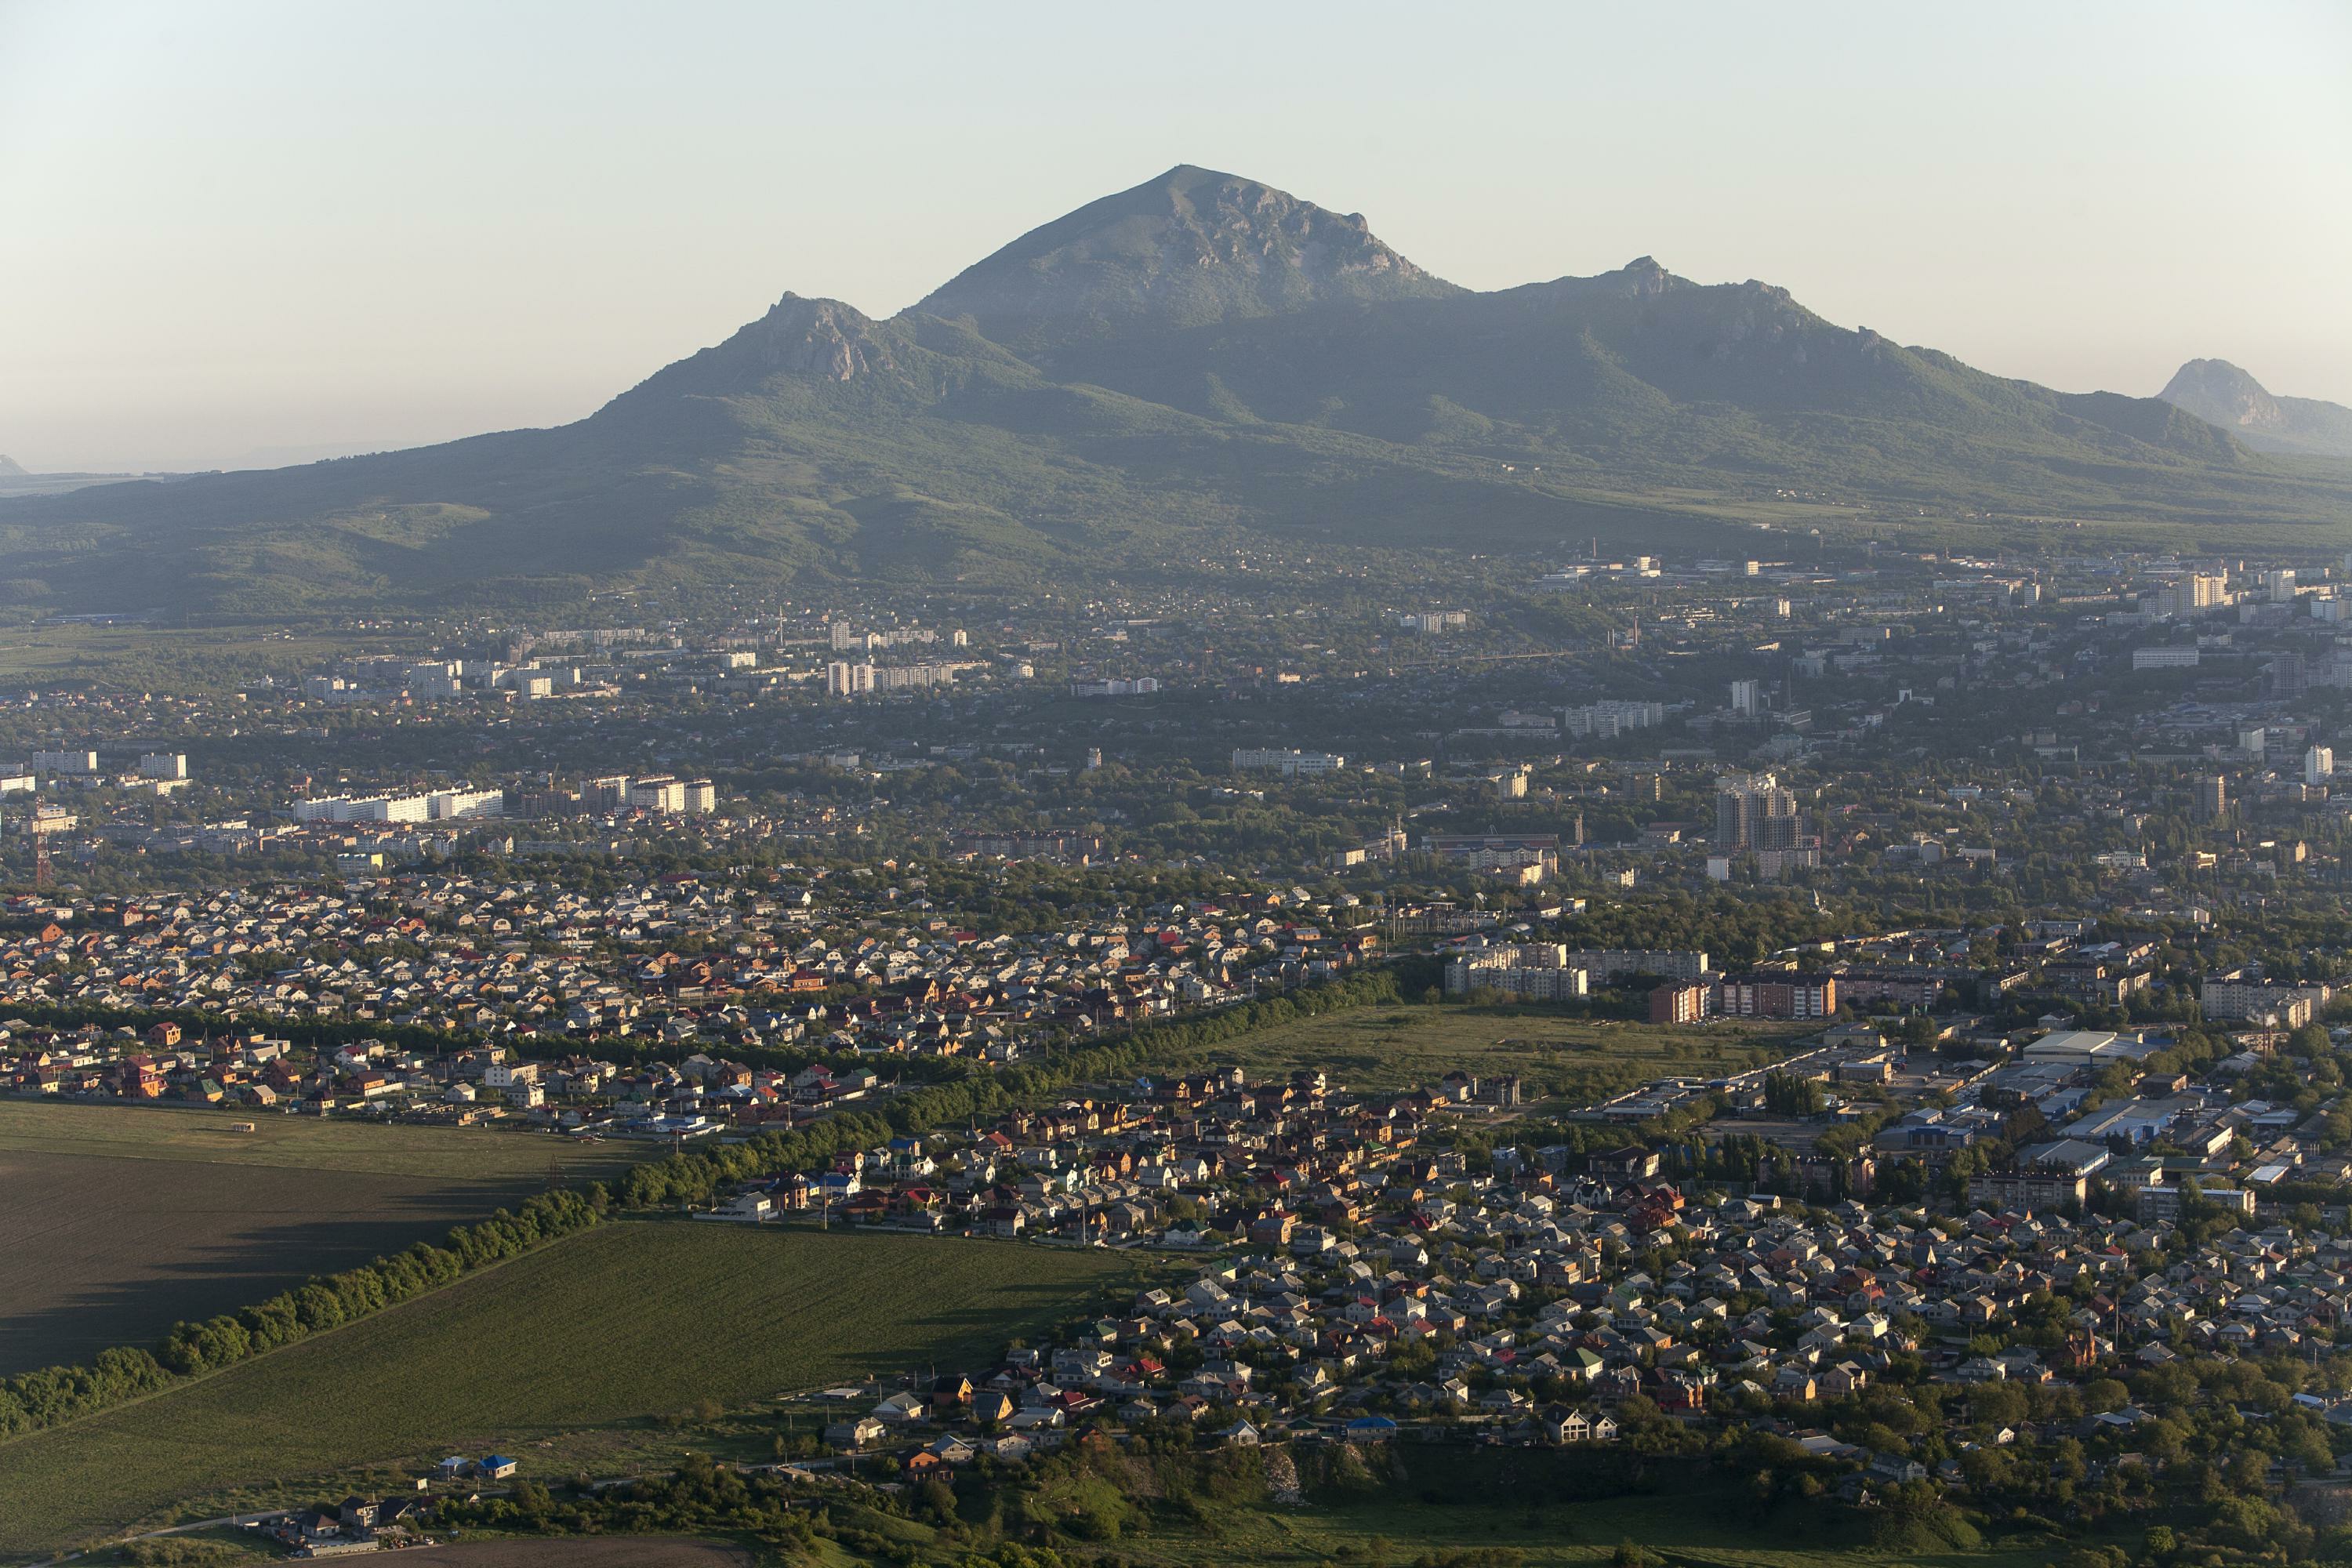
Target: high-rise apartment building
(2212,795)
(1753,812)
(662,793)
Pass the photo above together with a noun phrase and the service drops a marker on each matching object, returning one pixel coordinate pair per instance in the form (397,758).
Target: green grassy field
(165,658)
(1579,1059)
(558,1357)
(299,1142)
(122,1220)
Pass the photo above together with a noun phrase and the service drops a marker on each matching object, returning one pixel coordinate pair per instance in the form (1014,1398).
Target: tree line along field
(1682,1521)
(121,1220)
(1468,1504)
(556,1357)
(1577,1060)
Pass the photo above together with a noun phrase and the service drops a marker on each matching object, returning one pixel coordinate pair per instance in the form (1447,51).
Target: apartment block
(1776,996)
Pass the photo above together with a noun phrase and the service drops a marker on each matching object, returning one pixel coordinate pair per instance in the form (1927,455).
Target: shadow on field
(107,1261)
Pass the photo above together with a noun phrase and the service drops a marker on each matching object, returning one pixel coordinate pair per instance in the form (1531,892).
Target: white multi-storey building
(660,793)
(457,804)
(1606,964)
(441,805)
(1289,762)
(1434,620)
(1608,719)
(1538,970)
(365,808)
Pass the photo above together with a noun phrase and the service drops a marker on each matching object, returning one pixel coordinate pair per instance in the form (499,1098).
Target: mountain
(10,468)
(1632,369)
(2220,393)
(1196,363)
(1191,247)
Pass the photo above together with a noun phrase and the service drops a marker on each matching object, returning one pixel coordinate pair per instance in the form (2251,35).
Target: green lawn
(1581,1058)
(556,1357)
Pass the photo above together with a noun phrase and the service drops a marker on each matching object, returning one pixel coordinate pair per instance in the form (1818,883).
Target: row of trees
(50,1396)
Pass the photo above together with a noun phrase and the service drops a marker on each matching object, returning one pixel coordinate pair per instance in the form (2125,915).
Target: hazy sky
(232,233)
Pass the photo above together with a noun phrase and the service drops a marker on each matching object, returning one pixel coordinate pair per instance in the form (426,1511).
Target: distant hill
(2220,393)
(1192,364)
(17,480)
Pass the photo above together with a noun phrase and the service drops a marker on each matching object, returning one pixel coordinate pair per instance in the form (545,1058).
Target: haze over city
(244,233)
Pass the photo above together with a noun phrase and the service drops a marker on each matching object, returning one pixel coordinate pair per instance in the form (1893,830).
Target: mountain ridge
(1197,360)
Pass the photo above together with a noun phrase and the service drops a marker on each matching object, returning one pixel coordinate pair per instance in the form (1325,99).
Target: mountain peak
(798,339)
(9,467)
(1646,276)
(816,337)
(1189,246)
(2222,394)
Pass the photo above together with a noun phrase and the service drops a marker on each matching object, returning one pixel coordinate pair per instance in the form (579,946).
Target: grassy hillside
(558,1357)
